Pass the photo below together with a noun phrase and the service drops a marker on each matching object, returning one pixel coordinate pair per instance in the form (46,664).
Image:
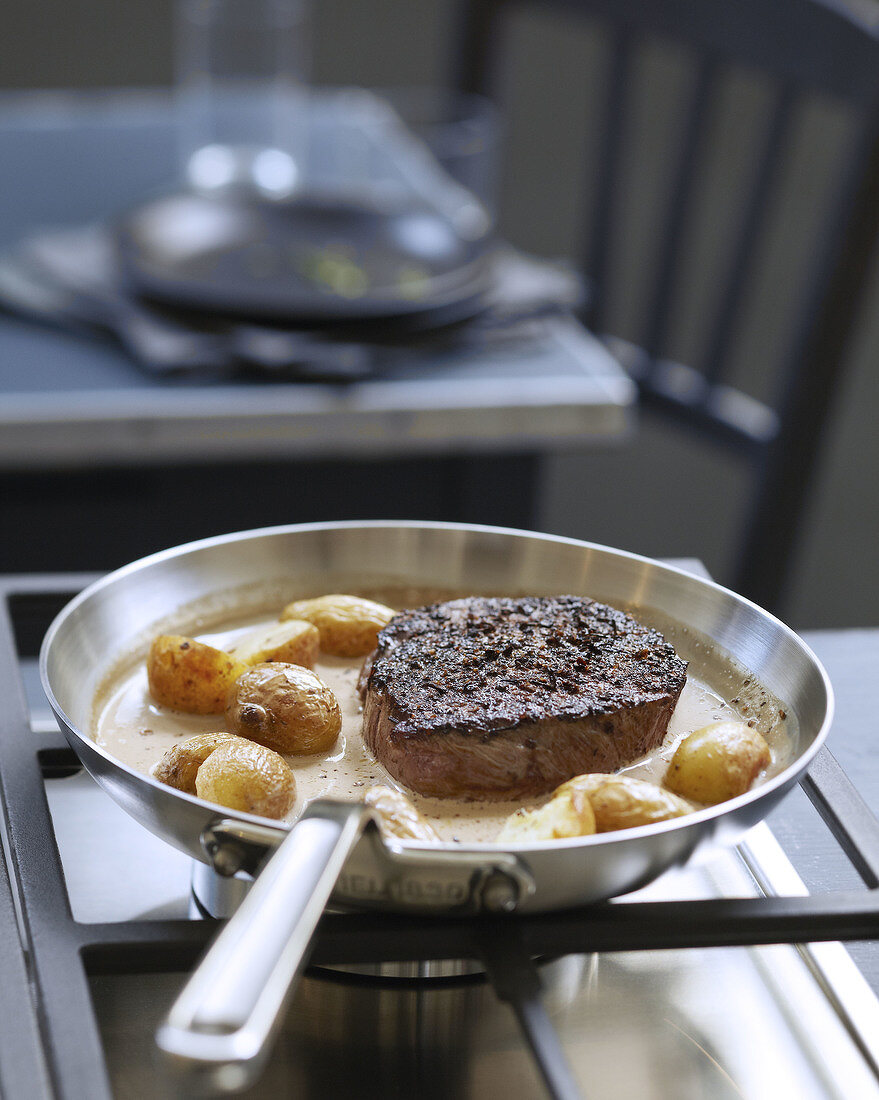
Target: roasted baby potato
(622,802)
(348,625)
(190,676)
(248,777)
(296,642)
(178,766)
(286,707)
(397,817)
(717,762)
(568,813)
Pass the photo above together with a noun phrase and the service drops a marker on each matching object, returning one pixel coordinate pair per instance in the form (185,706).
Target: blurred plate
(311,260)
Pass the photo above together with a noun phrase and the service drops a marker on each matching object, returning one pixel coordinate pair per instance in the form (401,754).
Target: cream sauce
(136,730)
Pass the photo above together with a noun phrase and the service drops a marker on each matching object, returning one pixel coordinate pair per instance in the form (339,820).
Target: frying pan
(222,1022)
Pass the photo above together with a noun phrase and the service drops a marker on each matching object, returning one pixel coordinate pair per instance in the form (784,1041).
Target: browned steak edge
(528,761)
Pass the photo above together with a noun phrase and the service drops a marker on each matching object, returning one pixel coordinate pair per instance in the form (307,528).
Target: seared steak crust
(498,698)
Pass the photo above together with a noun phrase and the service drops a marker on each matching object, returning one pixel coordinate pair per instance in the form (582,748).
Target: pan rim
(797,767)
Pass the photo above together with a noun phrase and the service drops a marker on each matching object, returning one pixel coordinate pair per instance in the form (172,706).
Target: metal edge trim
(840,980)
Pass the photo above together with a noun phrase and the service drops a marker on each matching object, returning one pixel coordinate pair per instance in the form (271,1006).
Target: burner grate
(51,1046)
(60,952)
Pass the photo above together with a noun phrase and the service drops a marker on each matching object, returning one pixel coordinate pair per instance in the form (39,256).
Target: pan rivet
(500,893)
(227,859)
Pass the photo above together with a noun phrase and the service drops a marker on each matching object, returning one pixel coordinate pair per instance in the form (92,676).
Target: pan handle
(218,1030)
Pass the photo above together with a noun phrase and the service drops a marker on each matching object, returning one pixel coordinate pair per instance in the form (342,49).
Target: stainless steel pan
(225,1016)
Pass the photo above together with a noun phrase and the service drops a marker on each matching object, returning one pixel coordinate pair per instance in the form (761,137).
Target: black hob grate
(50,1043)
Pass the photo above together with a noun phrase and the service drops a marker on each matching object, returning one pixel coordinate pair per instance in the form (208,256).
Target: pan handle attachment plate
(387,873)
(422,880)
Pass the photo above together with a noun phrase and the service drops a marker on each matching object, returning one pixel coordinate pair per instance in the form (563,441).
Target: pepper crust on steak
(503,698)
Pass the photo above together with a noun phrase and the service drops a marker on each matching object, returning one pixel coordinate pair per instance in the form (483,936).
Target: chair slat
(694,133)
(608,160)
(476,46)
(772,156)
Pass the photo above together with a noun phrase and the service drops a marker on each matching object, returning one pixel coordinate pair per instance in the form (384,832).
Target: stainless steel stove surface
(693,1023)
(683,1023)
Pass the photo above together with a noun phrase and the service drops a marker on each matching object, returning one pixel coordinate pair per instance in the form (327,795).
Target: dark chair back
(804,51)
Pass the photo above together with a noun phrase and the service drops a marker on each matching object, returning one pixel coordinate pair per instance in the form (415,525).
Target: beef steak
(501,698)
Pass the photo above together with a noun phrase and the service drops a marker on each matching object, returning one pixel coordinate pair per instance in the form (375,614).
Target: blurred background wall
(657,494)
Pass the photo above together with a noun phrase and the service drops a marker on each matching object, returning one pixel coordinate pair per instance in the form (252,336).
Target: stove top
(653,996)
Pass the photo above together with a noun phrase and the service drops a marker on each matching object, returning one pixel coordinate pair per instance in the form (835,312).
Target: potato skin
(348,625)
(568,813)
(397,816)
(190,676)
(179,765)
(248,777)
(285,707)
(623,802)
(295,641)
(717,762)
